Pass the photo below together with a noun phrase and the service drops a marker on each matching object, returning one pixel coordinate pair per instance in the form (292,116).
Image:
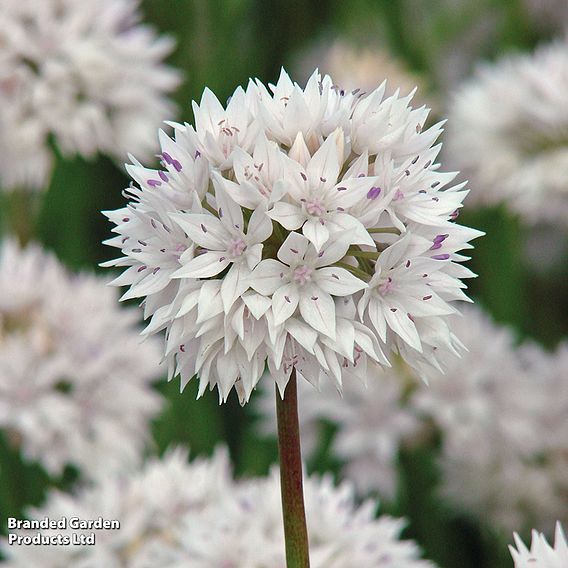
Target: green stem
(363,254)
(291,485)
(388,231)
(356,271)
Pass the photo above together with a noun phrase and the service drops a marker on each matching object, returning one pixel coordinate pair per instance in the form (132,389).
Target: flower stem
(355,271)
(291,485)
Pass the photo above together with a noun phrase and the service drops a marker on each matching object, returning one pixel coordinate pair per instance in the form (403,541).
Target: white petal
(293,249)
(266,277)
(318,310)
(284,303)
(205,230)
(234,285)
(325,163)
(230,213)
(290,216)
(338,281)
(316,232)
(256,303)
(203,266)
(259,227)
(302,333)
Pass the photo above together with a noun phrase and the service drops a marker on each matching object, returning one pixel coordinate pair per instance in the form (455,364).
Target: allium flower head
(176,514)
(507,132)
(307,228)
(87,74)
(541,554)
(75,382)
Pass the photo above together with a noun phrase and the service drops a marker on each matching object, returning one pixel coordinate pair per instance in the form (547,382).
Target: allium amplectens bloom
(507,132)
(83,72)
(306,229)
(176,514)
(541,554)
(75,380)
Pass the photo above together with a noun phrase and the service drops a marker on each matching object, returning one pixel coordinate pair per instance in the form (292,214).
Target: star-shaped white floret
(303,278)
(224,242)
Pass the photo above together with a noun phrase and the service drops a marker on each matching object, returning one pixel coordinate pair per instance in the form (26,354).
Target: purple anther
(203,228)
(154,183)
(177,165)
(436,246)
(314,298)
(182,348)
(168,159)
(341,188)
(163,176)
(142,268)
(374,192)
(287,298)
(125,219)
(220,213)
(427,297)
(155,270)
(393,310)
(304,176)
(427,164)
(441,256)
(407,264)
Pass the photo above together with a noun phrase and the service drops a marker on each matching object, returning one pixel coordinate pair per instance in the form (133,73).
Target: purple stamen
(374,192)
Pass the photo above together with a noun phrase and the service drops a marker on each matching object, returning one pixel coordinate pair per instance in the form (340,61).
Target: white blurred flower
(149,504)
(501,412)
(87,74)
(507,132)
(245,530)
(541,554)
(75,382)
(176,514)
(213,241)
(372,423)
(364,67)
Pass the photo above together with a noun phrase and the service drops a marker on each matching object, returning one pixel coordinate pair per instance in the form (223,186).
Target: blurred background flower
(75,378)
(467,460)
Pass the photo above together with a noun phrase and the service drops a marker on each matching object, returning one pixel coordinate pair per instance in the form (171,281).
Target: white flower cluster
(310,229)
(75,382)
(508,133)
(86,74)
(372,423)
(541,554)
(502,415)
(176,514)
